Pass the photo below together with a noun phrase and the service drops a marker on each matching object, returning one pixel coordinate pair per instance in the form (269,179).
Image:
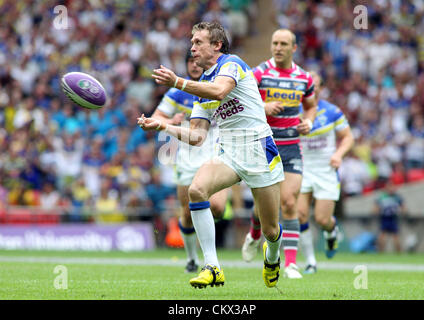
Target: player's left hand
(150,123)
(164,76)
(304,127)
(335,161)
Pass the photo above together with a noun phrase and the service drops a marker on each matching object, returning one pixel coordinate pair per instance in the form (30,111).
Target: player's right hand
(273,108)
(150,123)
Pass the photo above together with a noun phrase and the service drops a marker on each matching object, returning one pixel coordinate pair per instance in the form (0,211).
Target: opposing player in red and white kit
(284,86)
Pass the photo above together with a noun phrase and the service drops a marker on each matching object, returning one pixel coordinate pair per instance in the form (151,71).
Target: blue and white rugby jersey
(242,111)
(320,144)
(175,101)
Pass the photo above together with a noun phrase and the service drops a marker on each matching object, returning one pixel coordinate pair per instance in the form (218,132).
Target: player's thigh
(324,210)
(212,176)
(303,204)
(267,204)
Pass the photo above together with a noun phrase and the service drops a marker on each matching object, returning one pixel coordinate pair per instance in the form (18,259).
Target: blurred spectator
(160,39)
(414,150)
(49,197)
(92,162)
(158,193)
(80,198)
(68,151)
(107,207)
(353,175)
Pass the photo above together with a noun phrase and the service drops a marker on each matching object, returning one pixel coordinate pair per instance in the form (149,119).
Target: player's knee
(322,221)
(270,231)
(197,193)
(289,204)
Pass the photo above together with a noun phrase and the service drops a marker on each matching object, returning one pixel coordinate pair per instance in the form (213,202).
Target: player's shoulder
(329,107)
(227,58)
(301,71)
(264,66)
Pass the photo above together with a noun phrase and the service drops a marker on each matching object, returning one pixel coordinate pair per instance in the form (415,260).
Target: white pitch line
(225,263)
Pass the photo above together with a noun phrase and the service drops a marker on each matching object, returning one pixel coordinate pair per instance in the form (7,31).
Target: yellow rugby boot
(270,272)
(208,276)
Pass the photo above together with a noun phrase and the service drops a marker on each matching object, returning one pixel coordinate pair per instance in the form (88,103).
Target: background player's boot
(191,266)
(250,248)
(310,269)
(270,272)
(331,242)
(292,272)
(209,276)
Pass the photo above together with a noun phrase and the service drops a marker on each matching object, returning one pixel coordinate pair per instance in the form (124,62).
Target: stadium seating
(414,175)
(26,216)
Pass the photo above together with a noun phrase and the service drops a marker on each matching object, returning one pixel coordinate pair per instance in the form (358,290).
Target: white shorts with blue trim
(323,183)
(258,164)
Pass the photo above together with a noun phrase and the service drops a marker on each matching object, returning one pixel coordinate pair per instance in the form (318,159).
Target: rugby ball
(84,90)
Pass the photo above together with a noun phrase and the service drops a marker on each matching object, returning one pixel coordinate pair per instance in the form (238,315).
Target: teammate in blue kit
(175,108)
(227,93)
(322,156)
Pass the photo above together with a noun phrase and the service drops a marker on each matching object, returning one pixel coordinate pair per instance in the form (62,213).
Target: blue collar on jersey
(213,68)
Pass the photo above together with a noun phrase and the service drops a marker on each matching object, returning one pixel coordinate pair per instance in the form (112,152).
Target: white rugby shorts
(323,183)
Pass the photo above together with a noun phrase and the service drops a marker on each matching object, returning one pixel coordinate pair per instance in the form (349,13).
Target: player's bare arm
(346,139)
(309,113)
(195,135)
(216,90)
(175,120)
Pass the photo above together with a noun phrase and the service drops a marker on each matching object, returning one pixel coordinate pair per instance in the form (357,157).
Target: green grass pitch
(159,275)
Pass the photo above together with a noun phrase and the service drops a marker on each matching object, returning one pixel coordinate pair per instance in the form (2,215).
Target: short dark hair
(216,34)
(188,55)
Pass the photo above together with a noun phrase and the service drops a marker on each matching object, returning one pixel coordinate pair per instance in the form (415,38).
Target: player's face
(282,48)
(202,50)
(193,70)
(317,83)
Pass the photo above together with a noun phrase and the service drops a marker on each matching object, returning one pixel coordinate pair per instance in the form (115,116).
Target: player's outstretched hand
(150,123)
(164,76)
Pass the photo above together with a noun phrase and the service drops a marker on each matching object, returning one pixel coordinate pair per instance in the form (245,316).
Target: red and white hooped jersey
(290,86)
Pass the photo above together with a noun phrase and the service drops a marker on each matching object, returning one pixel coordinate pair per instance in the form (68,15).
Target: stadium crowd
(56,153)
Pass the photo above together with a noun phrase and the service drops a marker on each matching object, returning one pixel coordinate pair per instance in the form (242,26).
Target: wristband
(309,122)
(176,81)
(184,85)
(159,127)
